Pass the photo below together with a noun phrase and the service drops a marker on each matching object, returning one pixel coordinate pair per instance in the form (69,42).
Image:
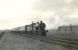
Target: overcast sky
(15,13)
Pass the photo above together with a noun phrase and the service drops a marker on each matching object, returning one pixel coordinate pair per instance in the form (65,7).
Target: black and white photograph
(38,24)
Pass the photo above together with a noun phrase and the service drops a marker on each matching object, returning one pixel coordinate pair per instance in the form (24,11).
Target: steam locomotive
(29,30)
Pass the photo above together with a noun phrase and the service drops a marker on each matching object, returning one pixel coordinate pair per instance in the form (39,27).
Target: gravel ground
(12,41)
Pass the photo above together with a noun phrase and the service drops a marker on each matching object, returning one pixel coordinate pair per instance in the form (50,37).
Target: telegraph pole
(71,28)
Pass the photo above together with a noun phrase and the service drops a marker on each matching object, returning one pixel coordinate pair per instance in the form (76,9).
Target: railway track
(64,42)
(68,42)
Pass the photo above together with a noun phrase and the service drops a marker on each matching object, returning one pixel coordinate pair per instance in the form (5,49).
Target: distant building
(75,29)
(64,29)
(68,29)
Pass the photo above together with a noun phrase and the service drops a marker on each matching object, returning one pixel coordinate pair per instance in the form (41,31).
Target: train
(29,30)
